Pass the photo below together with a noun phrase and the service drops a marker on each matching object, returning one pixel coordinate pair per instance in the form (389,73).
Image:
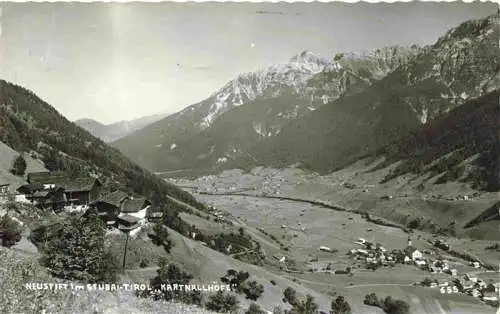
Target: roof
(32,187)
(132,205)
(128,218)
(62,180)
(46,177)
(41,193)
(115,198)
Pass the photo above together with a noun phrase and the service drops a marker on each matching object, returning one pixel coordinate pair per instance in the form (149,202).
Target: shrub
(371,299)
(252,290)
(10,231)
(168,275)
(277,310)
(395,306)
(307,306)
(273,282)
(340,306)
(426,282)
(222,303)
(19,166)
(235,279)
(389,305)
(254,309)
(290,296)
(161,236)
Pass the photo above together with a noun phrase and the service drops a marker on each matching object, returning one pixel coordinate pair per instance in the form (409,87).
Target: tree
(340,306)
(168,275)
(426,282)
(221,302)
(10,231)
(290,296)
(161,236)
(389,305)
(254,309)
(235,279)
(252,290)
(19,166)
(371,299)
(76,250)
(307,306)
(396,306)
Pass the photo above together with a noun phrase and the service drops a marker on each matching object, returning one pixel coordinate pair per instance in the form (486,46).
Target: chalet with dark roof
(78,191)
(53,198)
(135,205)
(109,206)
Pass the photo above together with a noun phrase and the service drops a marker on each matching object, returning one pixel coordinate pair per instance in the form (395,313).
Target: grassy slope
(16,270)
(324,228)
(468,131)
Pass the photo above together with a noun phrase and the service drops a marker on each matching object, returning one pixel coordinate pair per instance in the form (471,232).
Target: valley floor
(303,227)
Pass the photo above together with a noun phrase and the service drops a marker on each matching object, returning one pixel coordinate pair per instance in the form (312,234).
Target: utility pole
(125,251)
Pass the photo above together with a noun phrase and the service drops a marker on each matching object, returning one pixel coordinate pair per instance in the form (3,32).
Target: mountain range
(114,131)
(255,106)
(322,114)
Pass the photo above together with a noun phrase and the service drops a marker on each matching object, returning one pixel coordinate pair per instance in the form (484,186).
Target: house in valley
(413,253)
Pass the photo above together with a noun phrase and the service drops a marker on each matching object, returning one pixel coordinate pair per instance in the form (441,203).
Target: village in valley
(428,260)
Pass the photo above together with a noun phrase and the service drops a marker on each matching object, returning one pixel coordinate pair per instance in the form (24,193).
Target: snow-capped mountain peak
(265,82)
(306,57)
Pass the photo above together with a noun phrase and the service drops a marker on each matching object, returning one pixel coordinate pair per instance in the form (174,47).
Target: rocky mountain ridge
(271,96)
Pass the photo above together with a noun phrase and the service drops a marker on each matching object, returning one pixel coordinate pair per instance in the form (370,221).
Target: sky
(120,61)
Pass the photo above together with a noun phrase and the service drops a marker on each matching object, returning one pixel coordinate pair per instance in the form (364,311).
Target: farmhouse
(135,206)
(110,205)
(78,191)
(53,198)
(413,253)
